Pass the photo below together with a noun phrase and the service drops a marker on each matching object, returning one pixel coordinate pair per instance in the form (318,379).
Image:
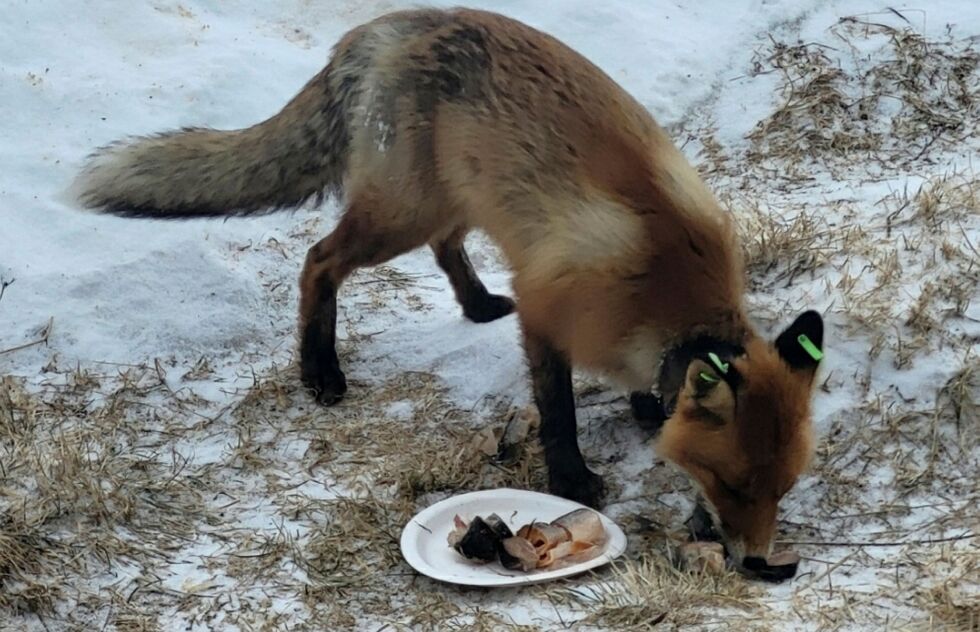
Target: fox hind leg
(319,365)
(365,236)
(479,305)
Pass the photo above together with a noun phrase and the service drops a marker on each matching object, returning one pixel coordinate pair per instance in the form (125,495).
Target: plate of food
(508,537)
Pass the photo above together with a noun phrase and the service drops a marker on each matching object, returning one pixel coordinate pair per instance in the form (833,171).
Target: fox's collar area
(711,350)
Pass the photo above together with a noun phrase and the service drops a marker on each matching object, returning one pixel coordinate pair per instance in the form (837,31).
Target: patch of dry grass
(778,249)
(356,541)
(650,591)
(949,605)
(899,277)
(28,568)
(894,106)
(83,487)
(923,248)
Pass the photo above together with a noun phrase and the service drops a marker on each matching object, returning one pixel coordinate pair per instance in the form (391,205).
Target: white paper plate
(426,549)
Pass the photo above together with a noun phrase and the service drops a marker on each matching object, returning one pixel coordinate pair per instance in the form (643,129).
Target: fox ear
(709,392)
(801,345)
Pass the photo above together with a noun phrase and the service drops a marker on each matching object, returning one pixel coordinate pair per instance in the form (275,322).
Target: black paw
(319,366)
(584,486)
(327,383)
(648,410)
(491,307)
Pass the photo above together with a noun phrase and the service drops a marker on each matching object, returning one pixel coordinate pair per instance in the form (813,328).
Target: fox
(426,124)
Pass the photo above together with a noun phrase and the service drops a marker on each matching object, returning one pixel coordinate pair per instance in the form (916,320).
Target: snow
(75,76)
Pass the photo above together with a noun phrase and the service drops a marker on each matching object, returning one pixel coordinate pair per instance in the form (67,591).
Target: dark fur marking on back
(463,61)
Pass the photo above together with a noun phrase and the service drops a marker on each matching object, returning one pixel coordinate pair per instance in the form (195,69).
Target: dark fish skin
(499,526)
(480,542)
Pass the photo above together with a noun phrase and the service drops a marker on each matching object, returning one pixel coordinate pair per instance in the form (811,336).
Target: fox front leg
(568,475)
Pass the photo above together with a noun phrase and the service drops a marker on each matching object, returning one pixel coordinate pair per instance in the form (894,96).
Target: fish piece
(591,552)
(515,432)
(503,533)
(570,552)
(783,558)
(459,530)
(582,525)
(544,536)
(479,541)
(482,539)
(485,442)
(499,526)
(705,557)
(518,553)
(775,574)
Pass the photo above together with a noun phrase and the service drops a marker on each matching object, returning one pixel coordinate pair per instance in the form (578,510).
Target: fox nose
(750,563)
(759,568)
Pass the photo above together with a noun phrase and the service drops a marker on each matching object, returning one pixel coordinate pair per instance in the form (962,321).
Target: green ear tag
(810,348)
(721,366)
(707,377)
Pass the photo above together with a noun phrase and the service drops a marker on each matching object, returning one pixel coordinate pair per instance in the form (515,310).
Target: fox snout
(747,557)
(750,556)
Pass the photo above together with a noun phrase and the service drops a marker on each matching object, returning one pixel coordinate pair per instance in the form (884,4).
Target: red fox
(429,123)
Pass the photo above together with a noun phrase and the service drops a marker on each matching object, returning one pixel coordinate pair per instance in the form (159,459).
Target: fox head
(742,431)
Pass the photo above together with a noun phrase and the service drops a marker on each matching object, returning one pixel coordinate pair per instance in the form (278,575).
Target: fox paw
(583,486)
(326,383)
(489,308)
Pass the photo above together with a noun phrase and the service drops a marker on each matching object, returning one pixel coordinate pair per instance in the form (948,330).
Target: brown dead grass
(83,486)
(650,592)
(913,97)
(898,278)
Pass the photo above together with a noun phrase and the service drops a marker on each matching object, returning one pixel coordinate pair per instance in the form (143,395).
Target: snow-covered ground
(160,468)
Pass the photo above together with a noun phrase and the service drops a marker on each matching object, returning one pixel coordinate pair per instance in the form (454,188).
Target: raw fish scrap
(575,537)
(482,539)
(709,557)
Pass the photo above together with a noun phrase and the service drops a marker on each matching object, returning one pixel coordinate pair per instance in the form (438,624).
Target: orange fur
(429,123)
(756,441)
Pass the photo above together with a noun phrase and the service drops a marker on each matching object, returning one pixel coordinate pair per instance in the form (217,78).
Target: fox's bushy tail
(279,163)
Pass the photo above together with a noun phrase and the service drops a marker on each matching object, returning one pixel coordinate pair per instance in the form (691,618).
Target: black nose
(761,569)
(754,563)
